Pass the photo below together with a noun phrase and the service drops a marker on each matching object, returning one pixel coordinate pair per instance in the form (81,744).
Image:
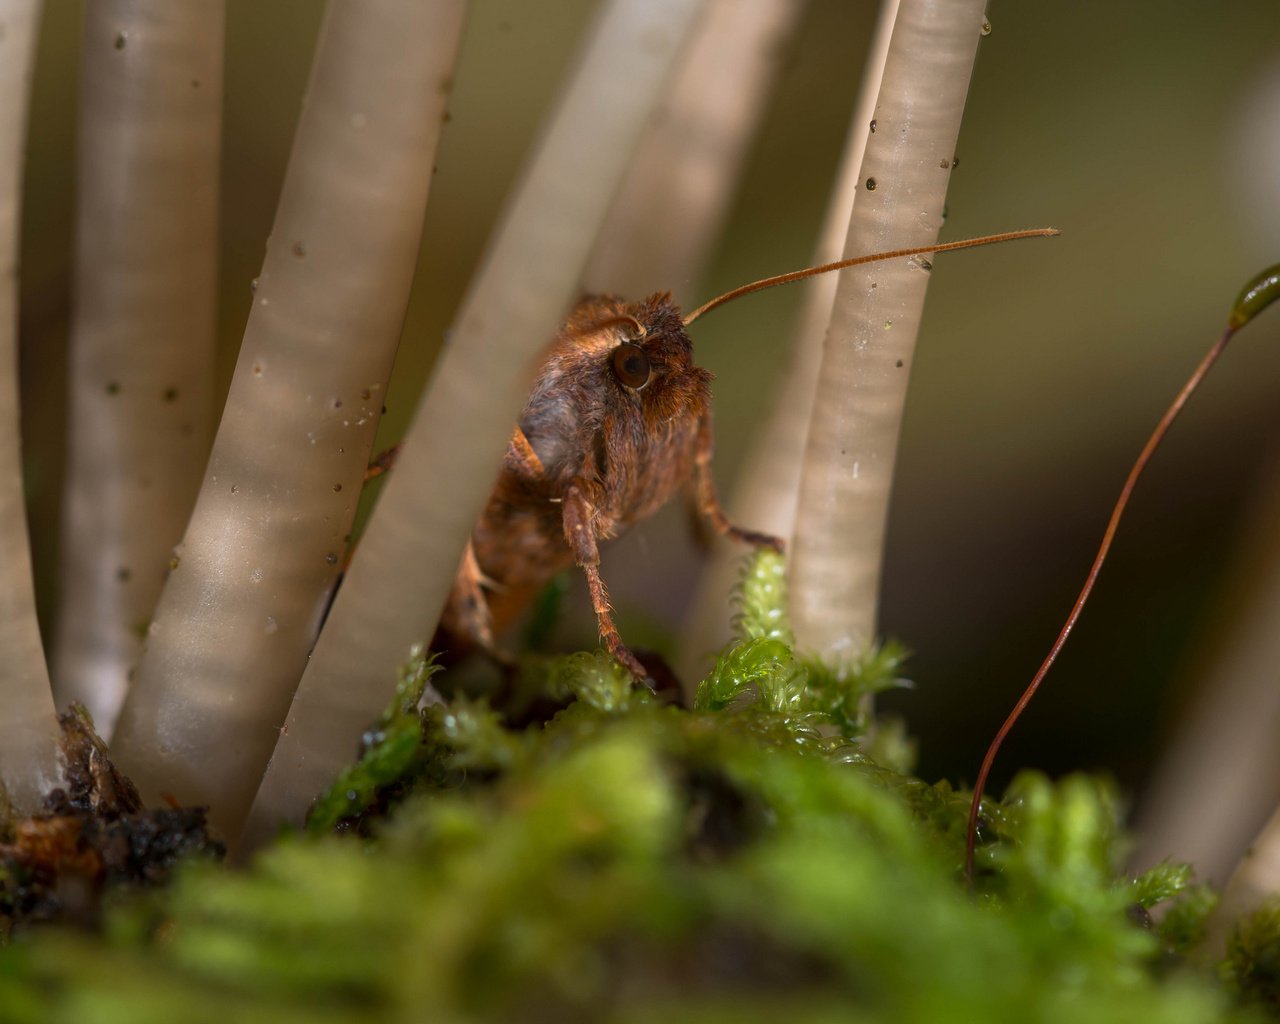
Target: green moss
(391,751)
(1185,921)
(761,598)
(757,858)
(595,679)
(761,672)
(1161,883)
(1252,968)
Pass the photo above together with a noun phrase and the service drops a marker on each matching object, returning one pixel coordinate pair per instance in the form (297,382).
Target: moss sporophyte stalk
(755,858)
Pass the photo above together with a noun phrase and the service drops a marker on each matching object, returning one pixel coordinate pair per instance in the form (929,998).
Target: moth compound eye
(631,366)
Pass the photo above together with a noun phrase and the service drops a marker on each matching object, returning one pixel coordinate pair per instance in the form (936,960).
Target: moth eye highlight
(631,366)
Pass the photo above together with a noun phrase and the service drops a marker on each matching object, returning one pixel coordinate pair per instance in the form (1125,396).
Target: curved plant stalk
(1261,291)
(253,574)
(853,435)
(1226,740)
(672,202)
(1091,578)
(28,726)
(406,562)
(765,494)
(142,339)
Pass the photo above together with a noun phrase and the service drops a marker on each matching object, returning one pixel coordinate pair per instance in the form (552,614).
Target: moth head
(638,349)
(651,360)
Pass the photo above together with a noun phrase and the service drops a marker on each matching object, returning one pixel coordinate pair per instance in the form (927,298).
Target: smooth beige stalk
(1255,880)
(28,726)
(403,569)
(253,574)
(1219,777)
(142,335)
(765,495)
(853,435)
(673,201)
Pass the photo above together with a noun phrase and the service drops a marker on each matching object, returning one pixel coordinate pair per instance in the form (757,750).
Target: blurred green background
(1148,132)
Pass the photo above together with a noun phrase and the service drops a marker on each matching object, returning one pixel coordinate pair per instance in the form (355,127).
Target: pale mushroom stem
(251,579)
(1225,741)
(853,435)
(28,726)
(672,203)
(142,336)
(766,492)
(1254,883)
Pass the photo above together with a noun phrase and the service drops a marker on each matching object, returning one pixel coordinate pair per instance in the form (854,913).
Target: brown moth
(618,421)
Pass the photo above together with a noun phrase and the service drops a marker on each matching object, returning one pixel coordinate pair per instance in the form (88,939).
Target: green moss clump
(747,860)
(391,752)
(639,866)
(761,598)
(1252,968)
(1185,920)
(1164,882)
(761,670)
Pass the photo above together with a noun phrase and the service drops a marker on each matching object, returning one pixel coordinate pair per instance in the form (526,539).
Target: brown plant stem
(1108,535)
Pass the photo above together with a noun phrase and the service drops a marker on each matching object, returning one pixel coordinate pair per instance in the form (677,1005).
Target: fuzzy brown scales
(618,421)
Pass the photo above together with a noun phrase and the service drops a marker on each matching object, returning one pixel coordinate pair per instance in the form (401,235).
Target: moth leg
(580,532)
(470,611)
(522,459)
(708,504)
(520,456)
(383,461)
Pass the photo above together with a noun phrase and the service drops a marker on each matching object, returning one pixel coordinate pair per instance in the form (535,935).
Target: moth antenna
(826,268)
(1259,293)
